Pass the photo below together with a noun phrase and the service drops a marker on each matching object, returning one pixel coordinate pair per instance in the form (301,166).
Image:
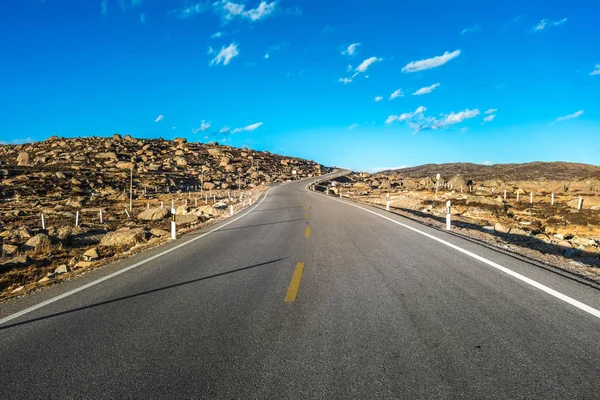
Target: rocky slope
(539,214)
(69,181)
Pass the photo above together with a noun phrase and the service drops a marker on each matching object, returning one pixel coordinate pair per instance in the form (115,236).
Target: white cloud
(378,98)
(426,90)
(351,49)
(248,128)
(487,163)
(224,129)
(428,63)
(226,55)
(472,29)
(349,68)
(189,11)
(345,81)
(405,116)
(17,141)
(418,121)
(230,10)
(143,18)
(397,93)
(570,116)
(366,63)
(203,127)
(491,111)
(352,126)
(596,71)
(489,118)
(548,23)
(159,118)
(216,35)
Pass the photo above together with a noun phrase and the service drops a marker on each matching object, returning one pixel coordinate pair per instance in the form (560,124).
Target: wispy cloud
(491,111)
(489,118)
(230,10)
(224,129)
(596,71)
(352,126)
(515,20)
(216,35)
(248,128)
(472,29)
(406,116)
(378,98)
(225,55)
(487,163)
(159,118)
(143,18)
(570,116)
(397,93)
(190,11)
(428,63)
(351,49)
(548,23)
(17,141)
(418,121)
(345,81)
(367,63)
(104,7)
(203,127)
(426,90)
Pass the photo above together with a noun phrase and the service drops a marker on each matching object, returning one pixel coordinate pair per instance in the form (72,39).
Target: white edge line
(529,281)
(119,272)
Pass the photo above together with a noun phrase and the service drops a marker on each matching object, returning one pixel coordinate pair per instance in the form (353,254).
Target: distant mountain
(534,171)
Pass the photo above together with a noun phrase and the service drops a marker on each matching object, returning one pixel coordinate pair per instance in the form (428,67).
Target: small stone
(62,269)
(91,254)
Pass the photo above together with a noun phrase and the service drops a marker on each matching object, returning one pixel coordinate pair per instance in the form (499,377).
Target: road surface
(305,296)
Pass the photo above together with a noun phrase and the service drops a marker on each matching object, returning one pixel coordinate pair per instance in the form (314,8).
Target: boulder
(159,232)
(123,238)
(182,210)
(209,185)
(125,165)
(91,254)
(186,219)
(23,159)
(214,152)
(62,269)
(39,242)
(107,156)
(180,140)
(16,262)
(153,214)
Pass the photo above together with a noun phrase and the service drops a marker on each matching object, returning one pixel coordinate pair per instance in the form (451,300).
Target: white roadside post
(387,202)
(504,194)
(77,219)
(580,203)
(552,201)
(530,197)
(340,193)
(147,206)
(173,223)
(162,204)
(127,212)
(231,210)
(448,221)
(101,217)
(43,222)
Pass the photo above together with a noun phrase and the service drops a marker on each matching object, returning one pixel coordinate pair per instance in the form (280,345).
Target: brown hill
(534,171)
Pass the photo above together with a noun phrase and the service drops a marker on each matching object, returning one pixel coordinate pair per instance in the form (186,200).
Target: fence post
(580,203)
(231,210)
(504,194)
(77,219)
(127,212)
(530,197)
(552,201)
(43,222)
(448,221)
(101,217)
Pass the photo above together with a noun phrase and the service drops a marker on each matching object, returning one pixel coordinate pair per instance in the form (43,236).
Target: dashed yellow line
(307,216)
(305,207)
(307,232)
(295,283)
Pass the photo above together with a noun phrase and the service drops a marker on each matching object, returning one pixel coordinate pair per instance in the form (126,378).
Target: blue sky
(364,85)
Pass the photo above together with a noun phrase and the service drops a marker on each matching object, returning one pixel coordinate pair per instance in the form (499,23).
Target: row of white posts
(173,224)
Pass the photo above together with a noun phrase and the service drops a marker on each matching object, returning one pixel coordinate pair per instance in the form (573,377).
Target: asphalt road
(306,296)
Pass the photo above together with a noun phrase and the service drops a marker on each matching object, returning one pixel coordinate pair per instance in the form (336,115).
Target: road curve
(306,296)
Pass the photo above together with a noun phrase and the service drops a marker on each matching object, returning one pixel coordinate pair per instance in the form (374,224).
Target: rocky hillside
(80,189)
(534,171)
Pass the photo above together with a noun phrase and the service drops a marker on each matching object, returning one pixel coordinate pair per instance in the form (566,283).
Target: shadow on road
(142,293)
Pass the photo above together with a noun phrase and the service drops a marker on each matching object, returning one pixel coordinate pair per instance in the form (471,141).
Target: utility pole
(131,190)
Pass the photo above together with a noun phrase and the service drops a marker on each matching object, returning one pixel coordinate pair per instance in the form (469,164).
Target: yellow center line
(307,216)
(305,207)
(307,232)
(295,283)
